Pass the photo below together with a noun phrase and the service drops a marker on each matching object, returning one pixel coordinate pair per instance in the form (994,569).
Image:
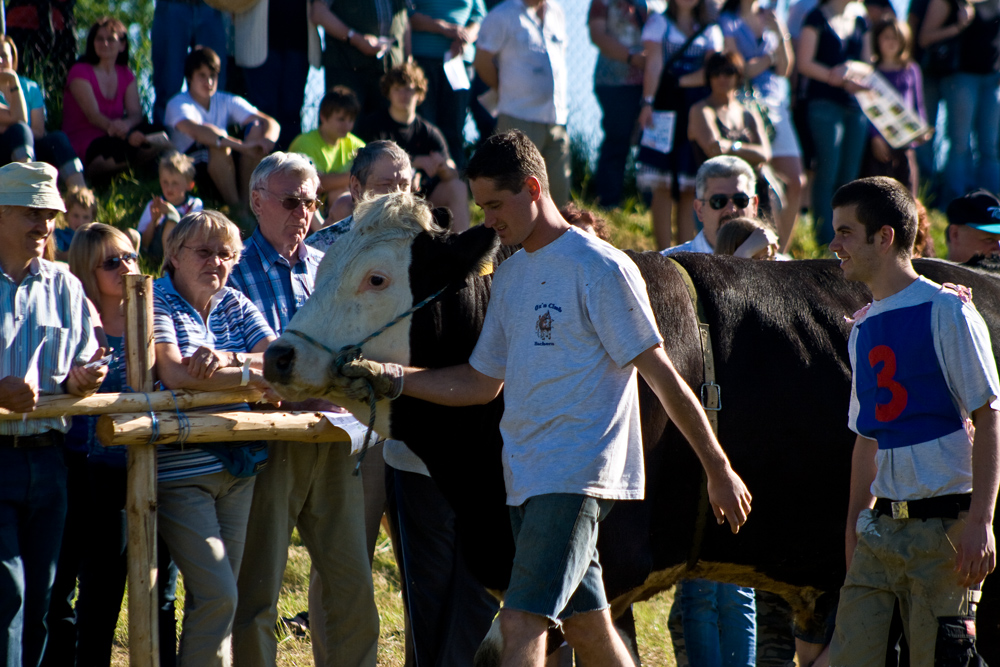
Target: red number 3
(886,412)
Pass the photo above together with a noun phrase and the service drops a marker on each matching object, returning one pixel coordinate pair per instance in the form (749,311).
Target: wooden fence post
(140,507)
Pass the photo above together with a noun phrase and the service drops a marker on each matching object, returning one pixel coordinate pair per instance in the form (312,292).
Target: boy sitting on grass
(198,120)
(177,173)
(437,178)
(332,148)
(81,209)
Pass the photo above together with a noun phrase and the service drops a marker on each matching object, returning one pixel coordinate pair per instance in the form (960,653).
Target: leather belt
(938,507)
(47,439)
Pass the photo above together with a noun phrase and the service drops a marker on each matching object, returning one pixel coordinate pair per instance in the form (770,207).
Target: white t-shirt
(224,110)
(899,353)
(562,325)
(190,205)
(710,40)
(531,60)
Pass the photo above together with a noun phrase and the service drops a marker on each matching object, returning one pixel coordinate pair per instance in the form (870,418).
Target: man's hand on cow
(730,498)
(976,553)
(386,380)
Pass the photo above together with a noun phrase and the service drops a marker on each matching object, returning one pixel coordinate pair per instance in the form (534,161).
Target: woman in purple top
(834,41)
(892,43)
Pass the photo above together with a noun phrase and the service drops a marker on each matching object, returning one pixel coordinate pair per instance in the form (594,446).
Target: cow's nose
(278,362)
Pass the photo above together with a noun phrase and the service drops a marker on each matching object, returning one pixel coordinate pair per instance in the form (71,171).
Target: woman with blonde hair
(94,542)
(208,336)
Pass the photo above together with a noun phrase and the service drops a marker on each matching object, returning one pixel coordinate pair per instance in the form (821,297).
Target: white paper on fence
(490,101)
(660,137)
(355,429)
(31,373)
(898,124)
(454,70)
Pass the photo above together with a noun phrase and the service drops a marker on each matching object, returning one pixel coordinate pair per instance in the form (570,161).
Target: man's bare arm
(455,386)
(976,555)
(863,470)
(729,496)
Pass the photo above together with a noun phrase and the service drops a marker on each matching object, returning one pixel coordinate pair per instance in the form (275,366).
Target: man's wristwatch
(647,101)
(350,35)
(737,145)
(236,359)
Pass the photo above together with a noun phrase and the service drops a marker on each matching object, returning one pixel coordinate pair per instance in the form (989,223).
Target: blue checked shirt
(46,313)
(234,325)
(277,288)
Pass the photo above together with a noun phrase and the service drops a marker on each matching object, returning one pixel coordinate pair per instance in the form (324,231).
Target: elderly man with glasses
(308,485)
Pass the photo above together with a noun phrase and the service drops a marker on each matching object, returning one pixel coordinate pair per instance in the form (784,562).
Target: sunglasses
(205,254)
(292,203)
(114,263)
(726,71)
(718,202)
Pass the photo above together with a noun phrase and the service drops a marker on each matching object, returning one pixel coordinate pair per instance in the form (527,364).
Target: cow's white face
(363,283)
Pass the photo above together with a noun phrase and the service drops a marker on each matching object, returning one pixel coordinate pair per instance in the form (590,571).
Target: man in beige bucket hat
(46,341)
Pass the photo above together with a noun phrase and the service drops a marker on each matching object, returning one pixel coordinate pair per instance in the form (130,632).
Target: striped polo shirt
(234,325)
(44,325)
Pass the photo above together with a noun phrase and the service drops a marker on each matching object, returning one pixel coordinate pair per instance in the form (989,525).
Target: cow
(779,334)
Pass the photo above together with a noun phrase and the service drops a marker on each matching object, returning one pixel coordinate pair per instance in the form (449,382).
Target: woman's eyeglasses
(718,202)
(292,203)
(114,263)
(205,254)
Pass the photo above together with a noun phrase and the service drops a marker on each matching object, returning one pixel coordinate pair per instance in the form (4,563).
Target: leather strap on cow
(711,401)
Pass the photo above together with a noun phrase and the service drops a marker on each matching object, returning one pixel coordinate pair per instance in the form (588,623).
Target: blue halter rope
(350,353)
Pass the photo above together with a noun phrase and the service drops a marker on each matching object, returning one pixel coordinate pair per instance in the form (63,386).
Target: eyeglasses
(718,202)
(205,254)
(290,203)
(114,263)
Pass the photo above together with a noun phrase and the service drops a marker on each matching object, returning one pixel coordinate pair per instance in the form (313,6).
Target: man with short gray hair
(308,485)
(379,168)
(725,189)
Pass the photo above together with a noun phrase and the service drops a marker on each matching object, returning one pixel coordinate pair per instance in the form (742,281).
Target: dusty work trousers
(310,486)
(912,560)
(552,142)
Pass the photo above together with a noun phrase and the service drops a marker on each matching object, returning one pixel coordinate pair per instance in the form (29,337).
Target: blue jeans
(278,88)
(720,624)
(973,110)
(839,135)
(176,27)
(444,107)
(620,106)
(32,513)
(927,151)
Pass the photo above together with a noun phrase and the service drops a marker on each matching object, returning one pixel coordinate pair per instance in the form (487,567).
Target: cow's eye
(375,282)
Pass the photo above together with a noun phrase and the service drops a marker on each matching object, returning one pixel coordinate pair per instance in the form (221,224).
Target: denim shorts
(556,573)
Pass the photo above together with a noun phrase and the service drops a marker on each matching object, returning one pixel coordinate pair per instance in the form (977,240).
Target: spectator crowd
(763,123)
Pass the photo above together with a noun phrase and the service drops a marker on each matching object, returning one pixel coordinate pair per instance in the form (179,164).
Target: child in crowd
(748,238)
(892,43)
(332,148)
(81,209)
(405,87)
(198,121)
(177,173)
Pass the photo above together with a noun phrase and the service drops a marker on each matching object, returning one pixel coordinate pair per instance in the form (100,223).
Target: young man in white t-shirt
(198,121)
(923,488)
(568,323)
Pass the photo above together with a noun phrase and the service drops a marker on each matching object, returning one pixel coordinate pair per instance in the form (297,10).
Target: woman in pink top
(102,115)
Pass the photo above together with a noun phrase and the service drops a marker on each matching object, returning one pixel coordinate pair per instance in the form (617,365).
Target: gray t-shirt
(562,326)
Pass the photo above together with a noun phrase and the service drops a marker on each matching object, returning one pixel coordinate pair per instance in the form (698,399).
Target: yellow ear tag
(486,269)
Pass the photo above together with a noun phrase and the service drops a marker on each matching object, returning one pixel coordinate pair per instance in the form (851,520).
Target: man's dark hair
(340,98)
(508,159)
(882,201)
(407,74)
(201,56)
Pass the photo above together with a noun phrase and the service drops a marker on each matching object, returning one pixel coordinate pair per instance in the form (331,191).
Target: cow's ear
(443,217)
(441,260)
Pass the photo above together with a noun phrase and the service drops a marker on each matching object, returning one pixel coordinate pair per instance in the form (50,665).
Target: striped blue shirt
(234,325)
(277,288)
(46,314)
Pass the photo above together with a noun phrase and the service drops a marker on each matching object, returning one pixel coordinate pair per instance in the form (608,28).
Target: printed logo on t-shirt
(543,327)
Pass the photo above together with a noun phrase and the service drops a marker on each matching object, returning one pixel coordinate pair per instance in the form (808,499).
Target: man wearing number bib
(923,480)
